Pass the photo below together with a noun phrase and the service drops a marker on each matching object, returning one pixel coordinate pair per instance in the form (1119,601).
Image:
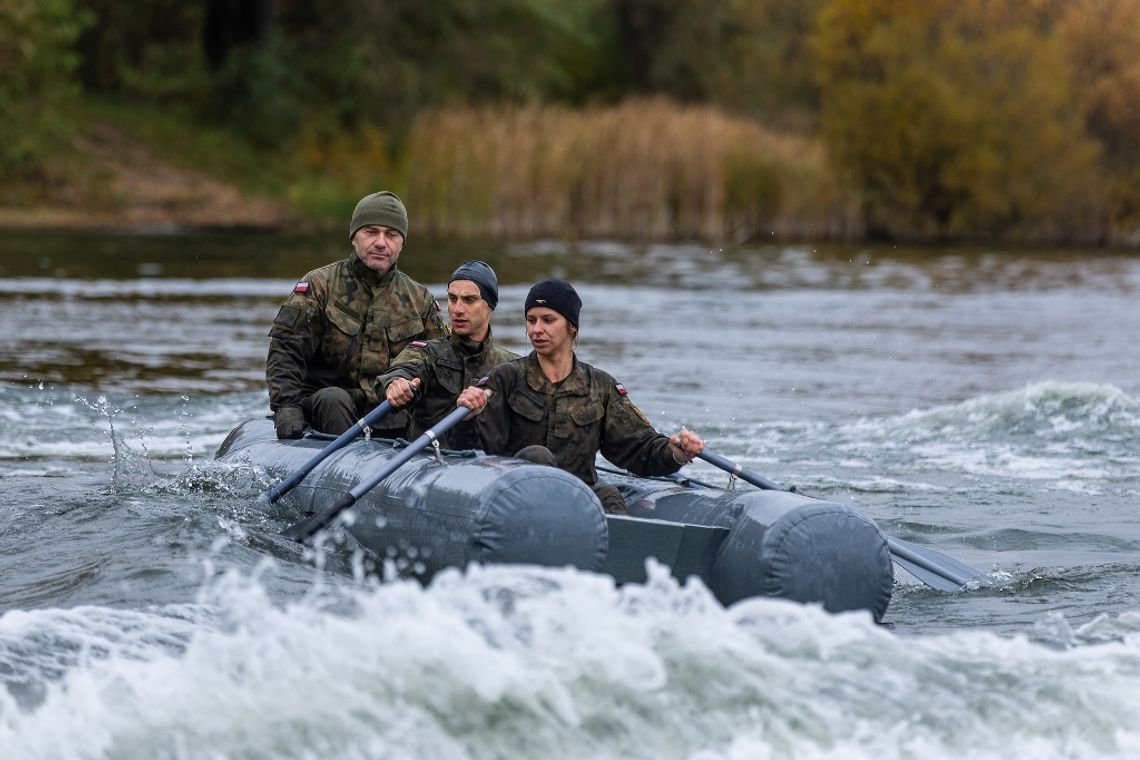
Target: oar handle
(370,419)
(311,525)
(733,468)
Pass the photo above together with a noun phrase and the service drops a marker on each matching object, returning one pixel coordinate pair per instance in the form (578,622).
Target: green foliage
(949,118)
(1102,43)
(147,51)
(38,85)
(953,128)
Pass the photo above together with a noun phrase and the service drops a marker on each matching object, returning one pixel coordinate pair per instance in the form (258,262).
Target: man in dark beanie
(553,409)
(431,377)
(343,324)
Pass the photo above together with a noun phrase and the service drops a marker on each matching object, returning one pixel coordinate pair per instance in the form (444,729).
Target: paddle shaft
(739,471)
(311,525)
(370,419)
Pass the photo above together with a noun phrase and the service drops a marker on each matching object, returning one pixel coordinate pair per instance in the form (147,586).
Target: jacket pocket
(450,377)
(343,320)
(526,407)
(402,332)
(581,423)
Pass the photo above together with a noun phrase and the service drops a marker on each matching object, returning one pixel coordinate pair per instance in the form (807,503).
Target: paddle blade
(934,568)
(302,531)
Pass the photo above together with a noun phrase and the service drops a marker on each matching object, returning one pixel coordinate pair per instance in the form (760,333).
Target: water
(982,403)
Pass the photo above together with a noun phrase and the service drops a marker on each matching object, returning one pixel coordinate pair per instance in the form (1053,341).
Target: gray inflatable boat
(450,509)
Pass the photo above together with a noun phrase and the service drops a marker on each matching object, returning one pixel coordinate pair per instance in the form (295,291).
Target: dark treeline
(1011,120)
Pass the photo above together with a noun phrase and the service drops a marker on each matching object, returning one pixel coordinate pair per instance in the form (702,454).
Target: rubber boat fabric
(437,512)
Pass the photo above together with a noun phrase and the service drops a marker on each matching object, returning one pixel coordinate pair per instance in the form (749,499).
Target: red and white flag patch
(621,390)
(301,287)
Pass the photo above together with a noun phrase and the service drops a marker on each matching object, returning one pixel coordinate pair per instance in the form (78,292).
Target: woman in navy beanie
(551,408)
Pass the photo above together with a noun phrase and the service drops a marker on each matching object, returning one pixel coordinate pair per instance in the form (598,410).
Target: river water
(984,403)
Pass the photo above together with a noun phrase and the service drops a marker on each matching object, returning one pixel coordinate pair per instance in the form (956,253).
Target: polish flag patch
(621,390)
(301,287)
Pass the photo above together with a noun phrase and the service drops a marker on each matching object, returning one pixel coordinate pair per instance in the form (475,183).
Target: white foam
(550,663)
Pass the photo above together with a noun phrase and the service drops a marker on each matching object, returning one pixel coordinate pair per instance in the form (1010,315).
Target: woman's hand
(685,445)
(474,398)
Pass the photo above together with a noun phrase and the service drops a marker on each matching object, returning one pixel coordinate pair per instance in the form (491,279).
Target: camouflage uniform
(585,413)
(445,367)
(340,328)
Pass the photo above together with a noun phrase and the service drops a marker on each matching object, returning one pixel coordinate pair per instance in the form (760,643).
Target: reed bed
(647,169)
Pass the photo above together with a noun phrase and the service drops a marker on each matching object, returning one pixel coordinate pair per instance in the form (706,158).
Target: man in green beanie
(343,324)
(430,378)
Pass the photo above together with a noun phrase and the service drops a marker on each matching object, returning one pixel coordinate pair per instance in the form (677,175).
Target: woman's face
(548,331)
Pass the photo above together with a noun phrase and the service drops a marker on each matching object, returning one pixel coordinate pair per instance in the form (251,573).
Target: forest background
(1012,121)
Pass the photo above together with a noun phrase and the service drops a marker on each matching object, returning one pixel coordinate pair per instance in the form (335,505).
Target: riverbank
(522,173)
(114,181)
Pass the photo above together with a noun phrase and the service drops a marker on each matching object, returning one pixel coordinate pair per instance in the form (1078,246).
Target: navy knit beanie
(555,294)
(480,273)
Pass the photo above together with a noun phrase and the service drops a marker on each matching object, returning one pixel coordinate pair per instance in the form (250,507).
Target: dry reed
(644,170)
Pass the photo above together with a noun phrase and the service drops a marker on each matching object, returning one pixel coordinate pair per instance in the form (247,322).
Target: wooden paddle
(287,485)
(931,567)
(310,526)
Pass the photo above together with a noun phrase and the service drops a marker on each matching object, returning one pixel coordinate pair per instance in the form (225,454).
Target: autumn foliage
(720,120)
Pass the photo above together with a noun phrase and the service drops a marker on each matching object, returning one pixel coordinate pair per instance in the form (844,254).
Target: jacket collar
(369,276)
(577,383)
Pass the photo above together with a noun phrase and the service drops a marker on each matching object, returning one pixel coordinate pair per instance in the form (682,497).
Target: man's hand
(289,422)
(401,392)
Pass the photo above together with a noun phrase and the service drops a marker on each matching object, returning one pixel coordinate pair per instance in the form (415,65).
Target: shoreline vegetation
(1011,122)
(645,170)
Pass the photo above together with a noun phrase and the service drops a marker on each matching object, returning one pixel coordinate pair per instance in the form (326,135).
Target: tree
(1102,39)
(39,83)
(953,127)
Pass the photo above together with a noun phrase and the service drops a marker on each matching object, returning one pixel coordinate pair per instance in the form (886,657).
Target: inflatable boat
(448,509)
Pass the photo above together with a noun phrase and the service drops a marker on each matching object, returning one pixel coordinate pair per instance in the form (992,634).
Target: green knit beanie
(382,208)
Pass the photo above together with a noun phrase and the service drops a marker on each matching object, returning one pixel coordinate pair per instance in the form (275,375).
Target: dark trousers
(332,411)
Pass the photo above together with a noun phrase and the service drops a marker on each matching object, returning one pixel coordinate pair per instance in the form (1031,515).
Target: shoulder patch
(418,344)
(621,389)
(301,287)
(287,316)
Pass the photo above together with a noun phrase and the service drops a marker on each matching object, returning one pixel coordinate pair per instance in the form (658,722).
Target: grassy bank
(644,170)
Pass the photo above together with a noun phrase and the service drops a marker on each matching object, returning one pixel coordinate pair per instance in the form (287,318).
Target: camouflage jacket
(445,367)
(341,327)
(585,413)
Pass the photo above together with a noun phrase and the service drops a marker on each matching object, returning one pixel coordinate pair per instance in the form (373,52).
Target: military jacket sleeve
(434,326)
(294,339)
(494,422)
(629,441)
(411,363)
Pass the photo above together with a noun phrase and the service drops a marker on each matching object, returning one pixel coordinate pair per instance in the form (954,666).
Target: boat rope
(401,443)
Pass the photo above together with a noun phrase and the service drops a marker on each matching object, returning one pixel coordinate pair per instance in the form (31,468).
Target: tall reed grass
(647,169)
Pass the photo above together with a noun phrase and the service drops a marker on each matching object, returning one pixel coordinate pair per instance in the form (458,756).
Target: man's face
(470,315)
(377,246)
